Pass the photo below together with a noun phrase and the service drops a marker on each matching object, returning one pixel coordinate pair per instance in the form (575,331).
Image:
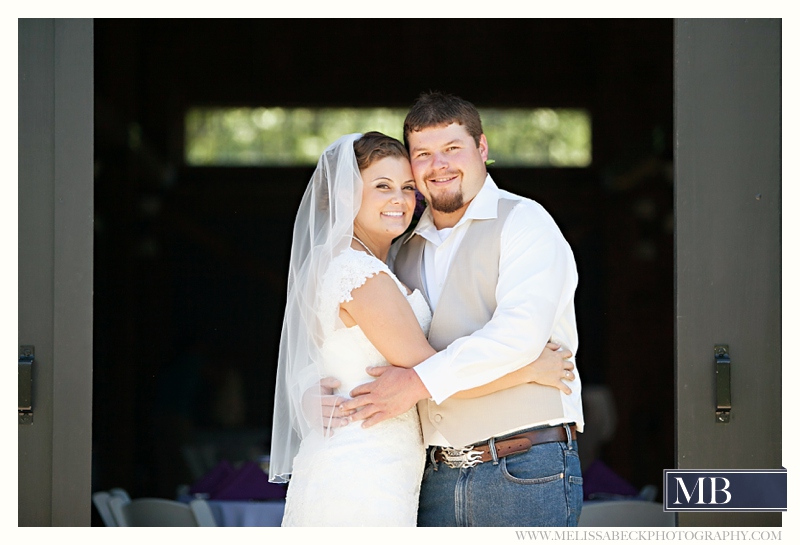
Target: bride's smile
(387,203)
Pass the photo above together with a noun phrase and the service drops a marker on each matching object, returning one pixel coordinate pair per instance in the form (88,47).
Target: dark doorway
(189,262)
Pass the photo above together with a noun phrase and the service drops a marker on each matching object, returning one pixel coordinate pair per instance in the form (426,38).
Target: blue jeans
(540,487)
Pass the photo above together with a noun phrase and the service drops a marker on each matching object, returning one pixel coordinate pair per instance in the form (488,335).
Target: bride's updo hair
(375,145)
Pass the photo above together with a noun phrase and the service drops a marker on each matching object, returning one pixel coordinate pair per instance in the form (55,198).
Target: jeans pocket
(521,470)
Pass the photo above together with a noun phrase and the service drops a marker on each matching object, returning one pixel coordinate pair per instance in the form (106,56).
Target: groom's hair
(375,145)
(437,109)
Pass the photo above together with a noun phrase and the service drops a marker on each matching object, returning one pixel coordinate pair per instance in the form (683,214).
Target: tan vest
(466,304)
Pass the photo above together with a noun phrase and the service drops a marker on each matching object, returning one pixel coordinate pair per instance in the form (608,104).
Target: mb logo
(725,490)
(713,486)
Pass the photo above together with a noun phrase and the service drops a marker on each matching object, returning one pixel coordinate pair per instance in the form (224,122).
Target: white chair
(153,512)
(622,513)
(101,502)
(120,493)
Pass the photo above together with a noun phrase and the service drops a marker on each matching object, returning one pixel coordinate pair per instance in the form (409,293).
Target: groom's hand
(321,399)
(393,392)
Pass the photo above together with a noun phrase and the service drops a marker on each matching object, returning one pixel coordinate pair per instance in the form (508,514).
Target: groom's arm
(536,286)
(535,292)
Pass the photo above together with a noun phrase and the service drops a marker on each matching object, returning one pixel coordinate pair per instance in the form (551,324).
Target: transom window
(281,137)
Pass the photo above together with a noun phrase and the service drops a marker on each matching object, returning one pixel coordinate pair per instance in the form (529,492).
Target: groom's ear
(483,147)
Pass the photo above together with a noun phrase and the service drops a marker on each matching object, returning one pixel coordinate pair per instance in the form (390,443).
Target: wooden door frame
(55,267)
(728,248)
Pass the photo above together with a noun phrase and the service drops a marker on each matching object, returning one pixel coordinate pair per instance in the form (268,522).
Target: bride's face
(388,199)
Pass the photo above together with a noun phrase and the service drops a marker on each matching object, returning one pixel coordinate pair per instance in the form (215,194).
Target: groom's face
(448,167)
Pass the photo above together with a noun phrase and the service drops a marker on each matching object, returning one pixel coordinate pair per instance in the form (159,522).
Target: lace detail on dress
(348,271)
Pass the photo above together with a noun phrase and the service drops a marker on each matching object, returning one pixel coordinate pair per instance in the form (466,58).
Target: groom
(509,458)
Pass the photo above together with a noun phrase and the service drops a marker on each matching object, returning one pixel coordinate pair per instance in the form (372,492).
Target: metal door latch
(723,371)
(25,385)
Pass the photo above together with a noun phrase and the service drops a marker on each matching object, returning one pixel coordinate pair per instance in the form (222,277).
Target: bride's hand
(552,368)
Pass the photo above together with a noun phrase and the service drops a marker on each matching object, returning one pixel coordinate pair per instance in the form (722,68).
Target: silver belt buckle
(461,457)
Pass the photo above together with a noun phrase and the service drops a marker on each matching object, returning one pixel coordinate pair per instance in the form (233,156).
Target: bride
(346,311)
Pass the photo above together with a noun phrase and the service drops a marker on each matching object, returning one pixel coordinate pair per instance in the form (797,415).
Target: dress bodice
(346,351)
(357,476)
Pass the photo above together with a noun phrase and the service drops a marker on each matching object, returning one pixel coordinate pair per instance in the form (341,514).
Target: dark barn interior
(190,262)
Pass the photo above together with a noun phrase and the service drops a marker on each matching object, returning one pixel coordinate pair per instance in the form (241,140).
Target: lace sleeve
(348,271)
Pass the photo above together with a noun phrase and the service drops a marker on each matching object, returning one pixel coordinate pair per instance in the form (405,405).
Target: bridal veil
(322,230)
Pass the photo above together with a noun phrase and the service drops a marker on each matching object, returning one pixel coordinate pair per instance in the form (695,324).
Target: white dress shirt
(535,299)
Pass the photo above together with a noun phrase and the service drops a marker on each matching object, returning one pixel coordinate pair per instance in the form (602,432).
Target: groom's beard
(447,203)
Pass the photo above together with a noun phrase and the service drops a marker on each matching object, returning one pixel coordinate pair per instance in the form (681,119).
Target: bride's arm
(388,321)
(386,318)
(548,369)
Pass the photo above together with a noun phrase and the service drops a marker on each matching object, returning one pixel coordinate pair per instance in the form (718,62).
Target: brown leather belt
(521,442)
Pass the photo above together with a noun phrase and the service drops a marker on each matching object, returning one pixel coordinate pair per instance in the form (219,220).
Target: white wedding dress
(357,477)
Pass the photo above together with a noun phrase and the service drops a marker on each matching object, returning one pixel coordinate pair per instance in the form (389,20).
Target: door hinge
(722,361)
(25,384)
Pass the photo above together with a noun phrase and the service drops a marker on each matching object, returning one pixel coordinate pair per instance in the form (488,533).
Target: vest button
(437,418)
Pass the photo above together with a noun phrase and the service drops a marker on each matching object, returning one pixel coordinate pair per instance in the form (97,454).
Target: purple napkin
(248,482)
(600,481)
(211,480)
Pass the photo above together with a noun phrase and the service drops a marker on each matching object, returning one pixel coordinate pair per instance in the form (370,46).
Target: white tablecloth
(247,513)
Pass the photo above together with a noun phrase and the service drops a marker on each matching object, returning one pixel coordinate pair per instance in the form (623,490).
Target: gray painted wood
(56,267)
(728,247)
(35,261)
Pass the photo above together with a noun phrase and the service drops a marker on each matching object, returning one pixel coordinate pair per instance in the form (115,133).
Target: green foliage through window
(539,137)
